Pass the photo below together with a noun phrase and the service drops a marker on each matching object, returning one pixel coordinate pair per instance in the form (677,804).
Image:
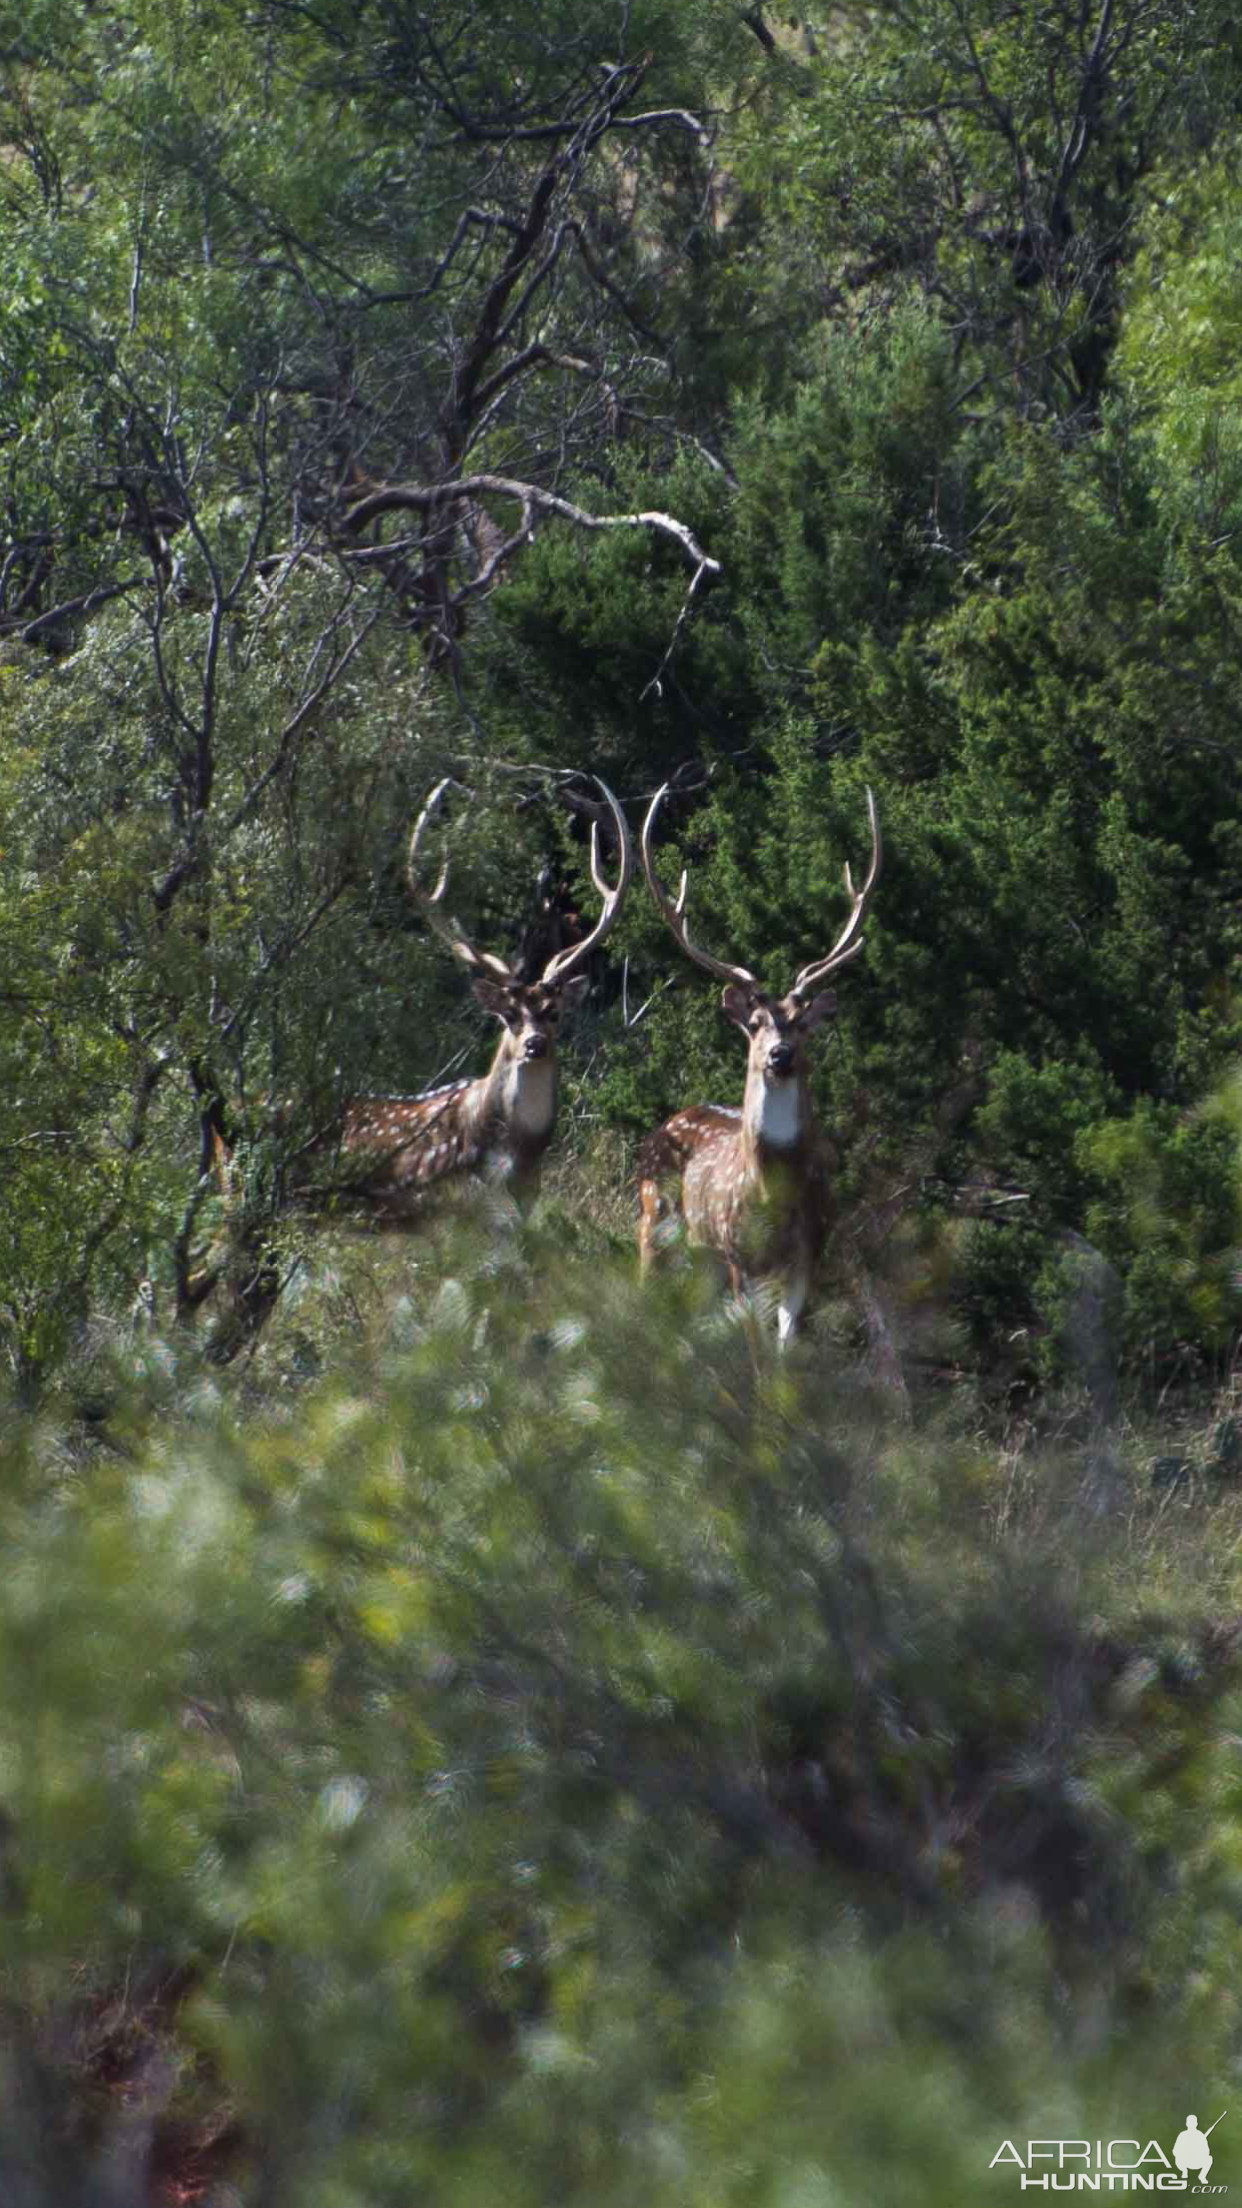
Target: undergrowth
(567,1754)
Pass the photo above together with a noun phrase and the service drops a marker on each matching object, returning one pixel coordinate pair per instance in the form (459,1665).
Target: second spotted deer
(754,1185)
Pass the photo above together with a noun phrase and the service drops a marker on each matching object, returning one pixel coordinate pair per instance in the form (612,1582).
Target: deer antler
(850,942)
(450,931)
(563,963)
(674,913)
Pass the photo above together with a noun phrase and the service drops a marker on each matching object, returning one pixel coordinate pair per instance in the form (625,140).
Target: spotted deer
(393,1148)
(754,1182)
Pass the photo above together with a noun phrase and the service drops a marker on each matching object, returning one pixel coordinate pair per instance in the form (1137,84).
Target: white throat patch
(532,1095)
(779,1119)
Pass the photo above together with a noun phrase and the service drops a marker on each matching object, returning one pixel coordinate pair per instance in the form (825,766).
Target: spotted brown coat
(755,1185)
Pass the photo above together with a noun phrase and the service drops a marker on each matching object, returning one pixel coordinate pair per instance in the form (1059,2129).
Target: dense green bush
(566,1759)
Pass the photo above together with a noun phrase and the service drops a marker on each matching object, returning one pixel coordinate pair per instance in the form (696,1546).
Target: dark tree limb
(89,601)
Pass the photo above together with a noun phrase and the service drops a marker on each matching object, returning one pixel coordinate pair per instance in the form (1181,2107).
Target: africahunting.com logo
(1115,2165)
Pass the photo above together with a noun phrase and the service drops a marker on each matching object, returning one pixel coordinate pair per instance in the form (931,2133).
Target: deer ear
(574,989)
(494,998)
(821,1008)
(738,1002)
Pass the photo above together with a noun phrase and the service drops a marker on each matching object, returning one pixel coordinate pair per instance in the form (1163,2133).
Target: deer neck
(776,1118)
(520,1092)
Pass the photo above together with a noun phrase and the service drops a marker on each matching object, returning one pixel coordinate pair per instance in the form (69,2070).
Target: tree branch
(87,603)
(398,497)
(534,356)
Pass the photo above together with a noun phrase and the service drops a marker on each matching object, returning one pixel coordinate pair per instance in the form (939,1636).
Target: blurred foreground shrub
(582,1762)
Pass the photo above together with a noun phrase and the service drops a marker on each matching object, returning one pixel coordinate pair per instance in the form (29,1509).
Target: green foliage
(554,1753)
(1179,342)
(839,493)
(928,341)
(992,162)
(552,1758)
(1167,1213)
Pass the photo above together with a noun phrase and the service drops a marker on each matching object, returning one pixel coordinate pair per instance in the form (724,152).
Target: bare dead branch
(533,356)
(656,680)
(679,115)
(497,558)
(424,498)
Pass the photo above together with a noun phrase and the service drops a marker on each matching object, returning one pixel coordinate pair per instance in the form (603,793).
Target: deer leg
(789,1309)
(649,1219)
(508,1198)
(524,1189)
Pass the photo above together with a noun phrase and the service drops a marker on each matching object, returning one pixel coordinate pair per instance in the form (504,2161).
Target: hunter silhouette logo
(1191,2150)
(1115,2165)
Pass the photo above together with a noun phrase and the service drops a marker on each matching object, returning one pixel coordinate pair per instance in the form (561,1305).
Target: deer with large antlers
(388,1151)
(754,1185)
(393,1148)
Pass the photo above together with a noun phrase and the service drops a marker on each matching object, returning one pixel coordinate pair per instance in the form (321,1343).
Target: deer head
(529,1009)
(776,1027)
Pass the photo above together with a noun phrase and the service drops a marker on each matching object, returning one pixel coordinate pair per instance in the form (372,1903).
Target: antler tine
(849,943)
(563,963)
(450,931)
(674,914)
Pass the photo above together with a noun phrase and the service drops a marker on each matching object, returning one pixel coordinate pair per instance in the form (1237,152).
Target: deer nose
(536,1046)
(780,1058)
